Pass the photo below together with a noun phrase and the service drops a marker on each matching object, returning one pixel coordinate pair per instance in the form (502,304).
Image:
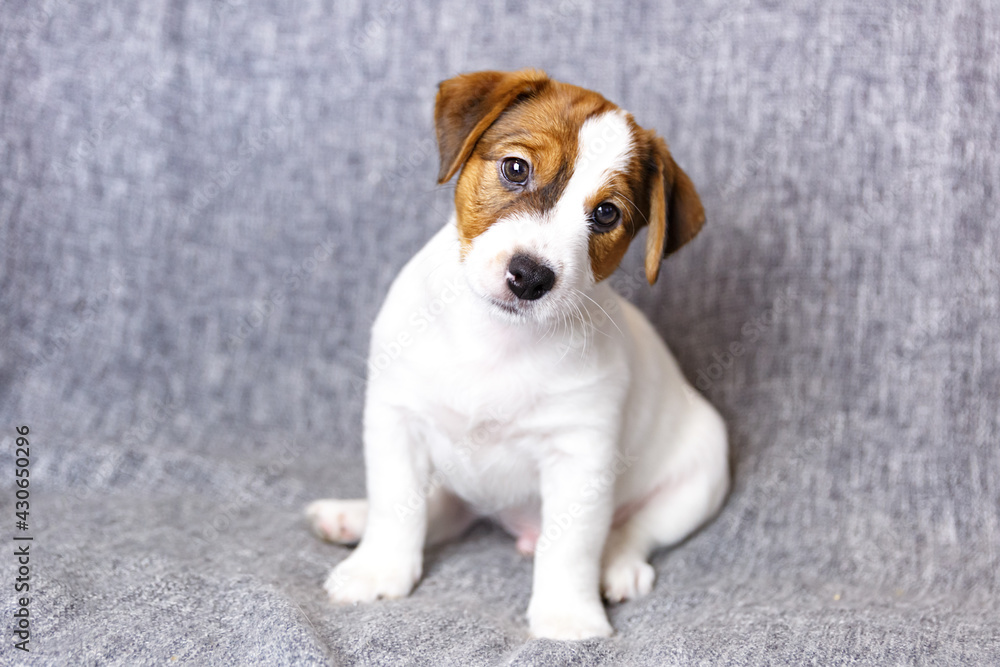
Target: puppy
(508,380)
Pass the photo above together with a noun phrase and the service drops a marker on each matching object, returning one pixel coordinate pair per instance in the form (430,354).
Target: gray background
(203,204)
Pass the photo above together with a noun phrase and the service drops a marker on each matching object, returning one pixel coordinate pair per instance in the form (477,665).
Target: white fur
(549,419)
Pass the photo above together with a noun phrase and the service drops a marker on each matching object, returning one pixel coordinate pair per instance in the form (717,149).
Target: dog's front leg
(388,561)
(577,505)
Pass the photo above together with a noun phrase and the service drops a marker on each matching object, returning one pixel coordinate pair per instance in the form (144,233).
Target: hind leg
(343,521)
(338,521)
(690,495)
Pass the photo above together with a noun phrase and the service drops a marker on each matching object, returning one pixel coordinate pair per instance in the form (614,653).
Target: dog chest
(487,460)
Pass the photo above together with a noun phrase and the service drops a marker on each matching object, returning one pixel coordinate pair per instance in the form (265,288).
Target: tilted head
(555,181)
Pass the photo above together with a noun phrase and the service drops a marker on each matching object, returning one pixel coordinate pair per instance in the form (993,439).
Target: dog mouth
(508,307)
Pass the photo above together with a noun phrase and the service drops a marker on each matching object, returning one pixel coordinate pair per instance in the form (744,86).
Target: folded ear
(675,211)
(468,104)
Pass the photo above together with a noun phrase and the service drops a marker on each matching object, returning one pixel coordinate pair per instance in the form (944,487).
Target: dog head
(555,181)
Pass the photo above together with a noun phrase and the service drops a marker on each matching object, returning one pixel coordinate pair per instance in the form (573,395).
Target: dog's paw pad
(627,579)
(338,521)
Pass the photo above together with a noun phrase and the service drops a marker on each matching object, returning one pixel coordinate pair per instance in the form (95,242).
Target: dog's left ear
(468,104)
(675,211)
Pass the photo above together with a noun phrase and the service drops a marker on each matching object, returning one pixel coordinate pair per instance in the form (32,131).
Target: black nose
(528,279)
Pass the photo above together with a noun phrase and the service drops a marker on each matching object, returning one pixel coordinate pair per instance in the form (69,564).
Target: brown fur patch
(467,104)
(544,129)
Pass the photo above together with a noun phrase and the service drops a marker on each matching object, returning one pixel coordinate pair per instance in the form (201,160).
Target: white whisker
(611,319)
(634,207)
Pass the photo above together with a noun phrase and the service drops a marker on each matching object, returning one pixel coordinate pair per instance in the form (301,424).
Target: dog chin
(515,311)
(510,311)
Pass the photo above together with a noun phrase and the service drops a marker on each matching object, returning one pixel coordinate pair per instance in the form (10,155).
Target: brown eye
(605,217)
(514,170)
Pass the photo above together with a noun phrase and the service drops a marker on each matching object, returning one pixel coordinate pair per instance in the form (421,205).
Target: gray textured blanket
(202,205)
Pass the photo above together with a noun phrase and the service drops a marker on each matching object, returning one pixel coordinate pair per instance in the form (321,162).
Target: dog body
(508,380)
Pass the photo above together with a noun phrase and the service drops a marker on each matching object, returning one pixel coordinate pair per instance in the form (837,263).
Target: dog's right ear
(468,104)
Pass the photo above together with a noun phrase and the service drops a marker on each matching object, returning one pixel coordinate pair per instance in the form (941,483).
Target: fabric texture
(202,205)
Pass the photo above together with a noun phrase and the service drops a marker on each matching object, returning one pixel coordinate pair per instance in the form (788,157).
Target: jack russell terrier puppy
(508,380)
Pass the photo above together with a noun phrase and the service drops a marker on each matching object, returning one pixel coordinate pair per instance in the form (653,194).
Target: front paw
(363,577)
(569,621)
